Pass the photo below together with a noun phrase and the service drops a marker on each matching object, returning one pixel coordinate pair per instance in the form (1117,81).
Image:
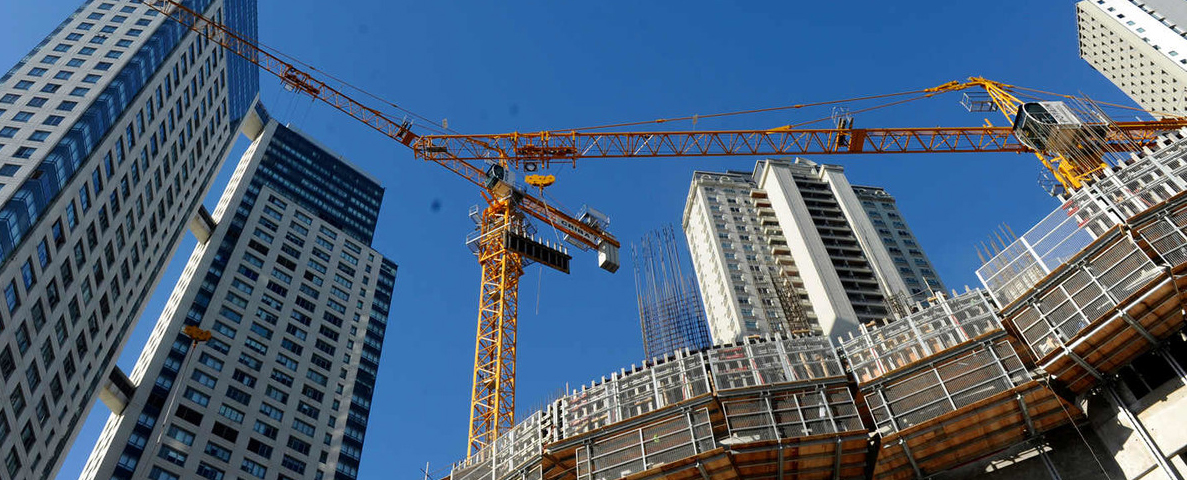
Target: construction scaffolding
(957,381)
(1119,298)
(1133,186)
(942,325)
(671,316)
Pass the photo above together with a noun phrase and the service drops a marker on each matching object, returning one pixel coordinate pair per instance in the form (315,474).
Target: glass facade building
(297,302)
(111,130)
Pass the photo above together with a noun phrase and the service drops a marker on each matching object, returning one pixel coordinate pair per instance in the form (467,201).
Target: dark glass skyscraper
(297,301)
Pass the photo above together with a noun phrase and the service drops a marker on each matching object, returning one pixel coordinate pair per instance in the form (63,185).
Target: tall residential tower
(297,301)
(111,130)
(792,248)
(1140,46)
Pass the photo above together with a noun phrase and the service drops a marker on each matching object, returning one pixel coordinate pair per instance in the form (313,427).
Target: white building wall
(834,312)
(1140,50)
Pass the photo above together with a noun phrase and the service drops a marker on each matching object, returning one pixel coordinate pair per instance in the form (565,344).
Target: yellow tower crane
(1072,145)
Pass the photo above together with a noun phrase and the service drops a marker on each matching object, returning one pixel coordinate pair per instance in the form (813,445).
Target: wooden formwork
(1128,331)
(973,432)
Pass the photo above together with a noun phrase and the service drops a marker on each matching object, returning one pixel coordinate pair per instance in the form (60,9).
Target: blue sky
(495,67)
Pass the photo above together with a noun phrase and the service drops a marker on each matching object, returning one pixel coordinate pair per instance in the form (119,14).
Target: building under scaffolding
(670,313)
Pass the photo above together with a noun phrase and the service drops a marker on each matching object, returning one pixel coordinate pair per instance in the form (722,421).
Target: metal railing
(944,386)
(514,452)
(630,394)
(1120,194)
(771,362)
(944,324)
(683,435)
(1081,293)
(791,414)
(662,383)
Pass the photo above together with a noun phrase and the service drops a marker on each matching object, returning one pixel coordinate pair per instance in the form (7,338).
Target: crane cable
(430,124)
(740,112)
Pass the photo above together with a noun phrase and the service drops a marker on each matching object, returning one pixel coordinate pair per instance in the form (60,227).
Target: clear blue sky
(495,67)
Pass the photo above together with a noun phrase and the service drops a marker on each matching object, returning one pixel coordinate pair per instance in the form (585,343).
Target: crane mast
(504,245)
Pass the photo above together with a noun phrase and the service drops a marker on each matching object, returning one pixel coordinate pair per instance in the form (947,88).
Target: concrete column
(1138,427)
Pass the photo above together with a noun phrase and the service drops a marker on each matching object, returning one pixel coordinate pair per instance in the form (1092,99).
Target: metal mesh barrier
(772,362)
(630,394)
(943,325)
(511,455)
(681,436)
(1128,190)
(975,374)
(791,415)
(1065,305)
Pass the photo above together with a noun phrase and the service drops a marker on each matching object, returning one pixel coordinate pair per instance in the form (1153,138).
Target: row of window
(120,193)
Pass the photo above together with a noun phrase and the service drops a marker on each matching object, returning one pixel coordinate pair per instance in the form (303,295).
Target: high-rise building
(671,316)
(912,264)
(297,303)
(111,131)
(1140,46)
(792,248)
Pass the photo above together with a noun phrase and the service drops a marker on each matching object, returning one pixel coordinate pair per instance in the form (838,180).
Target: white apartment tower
(1140,46)
(111,131)
(297,303)
(791,248)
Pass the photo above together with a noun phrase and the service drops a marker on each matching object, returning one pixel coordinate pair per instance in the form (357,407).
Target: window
(91,78)
(39,136)
(24,152)
(238,395)
(23,85)
(158,474)
(253,468)
(9,98)
(209,361)
(79,91)
(265,429)
(203,378)
(8,132)
(180,435)
(67,105)
(196,397)
(303,427)
(231,413)
(272,412)
(172,456)
(218,451)
(22,116)
(208,472)
(53,120)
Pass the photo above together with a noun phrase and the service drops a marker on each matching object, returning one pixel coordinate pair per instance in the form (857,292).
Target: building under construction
(670,314)
(1068,365)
